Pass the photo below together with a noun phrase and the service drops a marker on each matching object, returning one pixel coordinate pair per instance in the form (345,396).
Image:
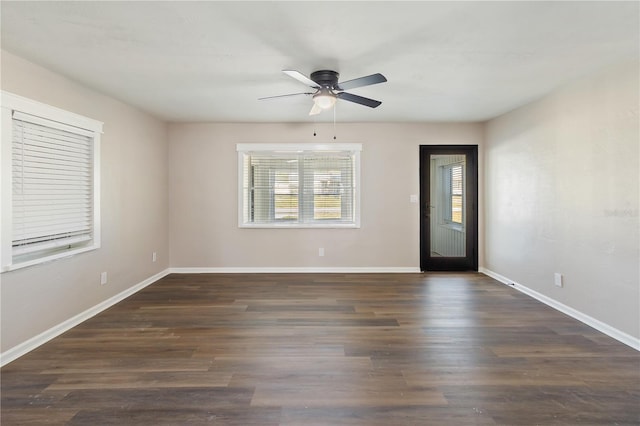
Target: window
(50,183)
(453,183)
(298,185)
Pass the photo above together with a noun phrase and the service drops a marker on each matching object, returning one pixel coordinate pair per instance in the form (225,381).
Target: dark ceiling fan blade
(284,96)
(301,78)
(362,81)
(358,99)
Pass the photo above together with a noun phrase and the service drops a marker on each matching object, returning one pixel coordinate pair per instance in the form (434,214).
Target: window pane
(447,199)
(456,208)
(327,198)
(285,195)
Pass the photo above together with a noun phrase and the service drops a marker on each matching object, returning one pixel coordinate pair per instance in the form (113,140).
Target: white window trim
(10,103)
(241,148)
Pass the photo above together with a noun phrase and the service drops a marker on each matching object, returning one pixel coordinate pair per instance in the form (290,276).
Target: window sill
(46,259)
(299,225)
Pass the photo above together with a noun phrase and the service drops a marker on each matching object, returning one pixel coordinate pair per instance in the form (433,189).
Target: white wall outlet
(413,198)
(321,251)
(103,278)
(154,257)
(557,279)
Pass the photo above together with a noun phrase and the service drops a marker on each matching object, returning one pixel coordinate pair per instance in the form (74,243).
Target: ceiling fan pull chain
(315,125)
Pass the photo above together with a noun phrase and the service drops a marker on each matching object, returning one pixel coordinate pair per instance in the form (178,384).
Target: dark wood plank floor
(297,349)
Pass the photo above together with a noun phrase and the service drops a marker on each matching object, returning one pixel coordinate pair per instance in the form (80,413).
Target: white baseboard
(610,331)
(29,345)
(297,270)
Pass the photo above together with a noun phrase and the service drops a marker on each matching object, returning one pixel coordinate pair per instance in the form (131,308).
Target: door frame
(470,261)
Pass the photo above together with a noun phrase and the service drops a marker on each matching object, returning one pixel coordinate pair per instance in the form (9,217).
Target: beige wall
(134,210)
(561,195)
(203,195)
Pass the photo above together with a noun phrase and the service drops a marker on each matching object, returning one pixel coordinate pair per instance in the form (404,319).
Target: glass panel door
(448,197)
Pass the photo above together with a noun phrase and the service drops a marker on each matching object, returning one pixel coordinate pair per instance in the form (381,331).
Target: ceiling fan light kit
(324,98)
(329,90)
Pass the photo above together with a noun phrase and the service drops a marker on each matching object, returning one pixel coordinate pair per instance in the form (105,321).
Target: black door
(449,207)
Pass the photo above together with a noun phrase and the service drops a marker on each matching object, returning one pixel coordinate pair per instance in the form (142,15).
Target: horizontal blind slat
(41,141)
(50,244)
(51,231)
(56,134)
(51,155)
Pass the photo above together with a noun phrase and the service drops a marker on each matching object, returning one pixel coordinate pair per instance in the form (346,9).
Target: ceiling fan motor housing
(326,78)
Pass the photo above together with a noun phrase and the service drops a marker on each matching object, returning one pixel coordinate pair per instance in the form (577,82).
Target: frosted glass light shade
(324,99)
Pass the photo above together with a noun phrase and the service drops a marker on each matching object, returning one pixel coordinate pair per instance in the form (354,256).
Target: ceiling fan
(328,90)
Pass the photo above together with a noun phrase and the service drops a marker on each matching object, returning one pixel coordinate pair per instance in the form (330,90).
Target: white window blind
(52,187)
(53,180)
(299,185)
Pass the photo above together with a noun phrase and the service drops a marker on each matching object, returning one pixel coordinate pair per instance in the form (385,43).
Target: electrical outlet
(321,251)
(154,257)
(557,279)
(103,278)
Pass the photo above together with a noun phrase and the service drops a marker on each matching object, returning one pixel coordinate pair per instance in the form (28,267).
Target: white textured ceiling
(210,61)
